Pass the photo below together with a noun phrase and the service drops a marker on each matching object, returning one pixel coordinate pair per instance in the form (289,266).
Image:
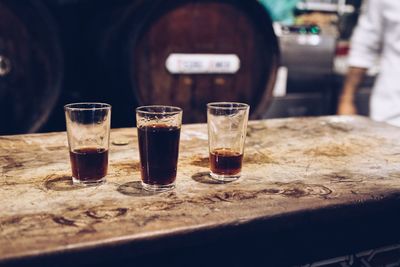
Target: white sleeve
(367,36)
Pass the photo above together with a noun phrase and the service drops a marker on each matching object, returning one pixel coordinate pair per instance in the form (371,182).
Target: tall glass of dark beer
(159,130)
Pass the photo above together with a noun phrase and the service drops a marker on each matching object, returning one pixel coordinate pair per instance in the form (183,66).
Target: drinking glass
(227,125)
(88,131)
(159,130)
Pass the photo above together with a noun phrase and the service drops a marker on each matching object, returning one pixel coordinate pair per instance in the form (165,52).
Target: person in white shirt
(376,40)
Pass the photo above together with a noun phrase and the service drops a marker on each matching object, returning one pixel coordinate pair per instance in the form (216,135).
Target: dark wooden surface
(312,188)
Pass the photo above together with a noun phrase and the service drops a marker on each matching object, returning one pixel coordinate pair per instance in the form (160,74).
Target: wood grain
(291,166)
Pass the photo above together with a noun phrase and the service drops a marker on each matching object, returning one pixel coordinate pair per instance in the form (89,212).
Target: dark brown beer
(224,161)
(89,164)
(159,148)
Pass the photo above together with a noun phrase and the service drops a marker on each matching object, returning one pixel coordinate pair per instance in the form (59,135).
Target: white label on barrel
(202,63)
(281,82)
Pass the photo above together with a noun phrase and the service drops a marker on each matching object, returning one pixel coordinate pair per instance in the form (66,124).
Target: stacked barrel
(31,66)
(130,53)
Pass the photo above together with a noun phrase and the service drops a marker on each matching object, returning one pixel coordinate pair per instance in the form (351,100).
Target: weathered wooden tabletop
(290,166)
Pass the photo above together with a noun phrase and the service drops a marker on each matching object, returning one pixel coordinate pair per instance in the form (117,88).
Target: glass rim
(173,109)
(228,105)
(87,106)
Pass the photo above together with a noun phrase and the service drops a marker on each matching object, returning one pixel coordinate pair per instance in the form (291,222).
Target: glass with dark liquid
(227,125)
(159,130)
(88,130)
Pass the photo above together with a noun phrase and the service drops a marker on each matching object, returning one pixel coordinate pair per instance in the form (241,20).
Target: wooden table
(311,188)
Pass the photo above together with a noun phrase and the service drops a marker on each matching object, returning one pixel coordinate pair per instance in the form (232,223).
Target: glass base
(225,177)
(88,182)
(158,188)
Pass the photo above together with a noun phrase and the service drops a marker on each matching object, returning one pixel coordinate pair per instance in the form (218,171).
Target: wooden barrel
(190,52)
(30,66)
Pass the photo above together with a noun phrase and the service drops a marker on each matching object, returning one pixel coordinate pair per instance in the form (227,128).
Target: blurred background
(286,58)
